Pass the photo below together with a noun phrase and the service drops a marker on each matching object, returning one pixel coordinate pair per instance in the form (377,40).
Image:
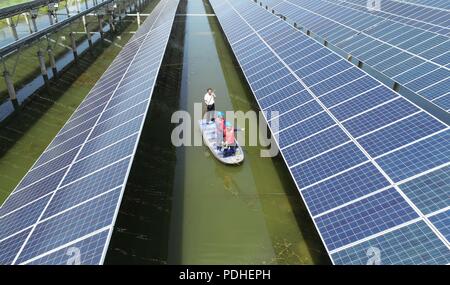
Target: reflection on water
(183,206)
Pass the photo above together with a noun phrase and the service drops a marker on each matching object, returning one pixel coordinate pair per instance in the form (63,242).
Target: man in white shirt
(209,101)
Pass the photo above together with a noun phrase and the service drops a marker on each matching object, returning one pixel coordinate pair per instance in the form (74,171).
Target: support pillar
(67,11)
(10,87)
(27,20)
(43,67)
(73,44)
(112,27)
(100,25)
(33,21)
(89,37)
(12,27)
(83,19)
(139,5)
(138,18)
(77,2)
(52,60)
(50,18)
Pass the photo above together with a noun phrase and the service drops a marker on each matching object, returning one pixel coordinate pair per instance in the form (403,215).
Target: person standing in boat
(210,107)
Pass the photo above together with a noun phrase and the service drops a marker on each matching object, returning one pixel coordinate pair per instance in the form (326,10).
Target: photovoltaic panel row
(358,152)
(416,57)
(63,210)
(422,17)
(434,4)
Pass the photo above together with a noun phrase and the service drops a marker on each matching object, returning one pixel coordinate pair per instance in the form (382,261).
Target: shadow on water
(142,234)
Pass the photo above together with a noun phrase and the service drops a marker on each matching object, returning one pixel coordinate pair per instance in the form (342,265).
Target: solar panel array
(64,209)
(408,43)
(372,167)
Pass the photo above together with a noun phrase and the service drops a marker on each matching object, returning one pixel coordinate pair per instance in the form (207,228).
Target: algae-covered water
(181,206)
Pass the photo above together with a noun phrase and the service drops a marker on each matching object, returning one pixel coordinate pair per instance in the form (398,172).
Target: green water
(181,206)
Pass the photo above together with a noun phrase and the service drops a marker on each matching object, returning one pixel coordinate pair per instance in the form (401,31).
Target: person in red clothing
(230,140)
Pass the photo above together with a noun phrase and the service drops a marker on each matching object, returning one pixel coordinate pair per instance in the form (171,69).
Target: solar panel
(408,43)
(63,210)
(358,152)
(426,18)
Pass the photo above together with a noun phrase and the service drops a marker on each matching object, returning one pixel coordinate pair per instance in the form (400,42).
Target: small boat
(209,133)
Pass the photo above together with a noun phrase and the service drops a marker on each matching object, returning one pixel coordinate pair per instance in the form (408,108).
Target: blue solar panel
(71,225)
(298,114)
(304,129)
(22,218)
(442,222)
(87,188)
(348,91)
(281,94)
(345,137)
(416,158)
(364,218)
(41,171)
(422,247)
(72,193)
(101,159)
(344,188)
(88,251)
(430,191)
(314,145)
(361,103)
(11,246)
(328,164)
(379,117)
(382,38)
(31,193)
(63,137)
(62,148)
(286,104)
(400,133)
